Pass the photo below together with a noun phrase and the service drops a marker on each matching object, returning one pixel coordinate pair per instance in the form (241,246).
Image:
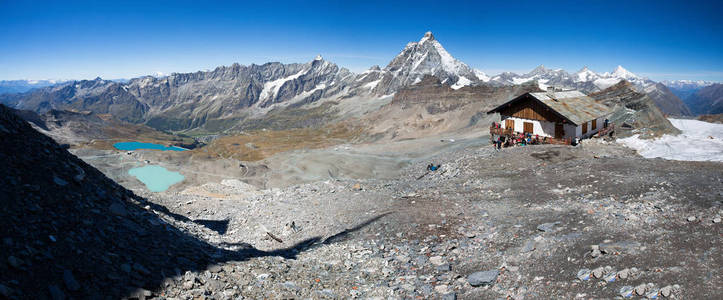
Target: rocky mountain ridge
(589,81)
(418,59)
(707,100)
(634,112)
(220,99)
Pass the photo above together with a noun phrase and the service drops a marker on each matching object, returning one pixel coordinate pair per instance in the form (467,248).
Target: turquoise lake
(129,146)
(156,178)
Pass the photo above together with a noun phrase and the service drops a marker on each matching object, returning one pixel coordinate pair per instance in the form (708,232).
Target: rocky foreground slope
(68,231)
(547,222)
(537,222)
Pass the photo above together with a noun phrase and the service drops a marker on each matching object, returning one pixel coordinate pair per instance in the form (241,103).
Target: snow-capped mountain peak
(426,57)
(622,73)
(428,36)
(538,70)
(585,74)
(318,57)
(481,75)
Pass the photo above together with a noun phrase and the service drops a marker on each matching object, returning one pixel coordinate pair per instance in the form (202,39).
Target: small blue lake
(130,146)
(156,178)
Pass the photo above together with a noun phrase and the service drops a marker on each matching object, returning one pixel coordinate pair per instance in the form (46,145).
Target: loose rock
(626,291)
(483,278)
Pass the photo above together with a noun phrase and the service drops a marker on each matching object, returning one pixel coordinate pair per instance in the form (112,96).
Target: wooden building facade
(559,115)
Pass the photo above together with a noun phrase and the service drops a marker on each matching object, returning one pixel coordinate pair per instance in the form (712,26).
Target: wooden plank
(510,124)
(532,110)
(528,127)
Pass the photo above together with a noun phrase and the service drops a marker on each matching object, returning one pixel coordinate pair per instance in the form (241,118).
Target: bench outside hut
(558,116)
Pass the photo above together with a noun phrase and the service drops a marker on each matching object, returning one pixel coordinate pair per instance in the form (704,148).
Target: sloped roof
(573,106)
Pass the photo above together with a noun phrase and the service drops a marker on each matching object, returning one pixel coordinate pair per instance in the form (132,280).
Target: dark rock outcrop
(634,112)
(666,100)
(68,230)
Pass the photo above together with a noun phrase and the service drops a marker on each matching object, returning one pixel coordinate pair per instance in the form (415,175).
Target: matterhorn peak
(428,36)
(539,69)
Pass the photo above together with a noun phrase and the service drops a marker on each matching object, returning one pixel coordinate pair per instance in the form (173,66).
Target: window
(527,127)
(510,124)
(594,125)
(584,128)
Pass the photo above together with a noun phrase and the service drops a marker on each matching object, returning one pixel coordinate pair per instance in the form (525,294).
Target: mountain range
(707,100)
(219,99)
(21,86)
(589,81)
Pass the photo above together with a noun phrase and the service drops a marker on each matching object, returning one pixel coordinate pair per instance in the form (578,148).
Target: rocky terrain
(430,108)
(69,231)
(526,223)
(541,222)
(80,129)
(308,181)
(718,118)
(634,112)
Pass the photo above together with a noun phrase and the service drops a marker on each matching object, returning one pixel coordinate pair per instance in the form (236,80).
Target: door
(584,128)
(510,124)
(594,125)
(527,127)
(559,131)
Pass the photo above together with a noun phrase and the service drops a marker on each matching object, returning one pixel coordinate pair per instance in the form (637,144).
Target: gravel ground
(596,221)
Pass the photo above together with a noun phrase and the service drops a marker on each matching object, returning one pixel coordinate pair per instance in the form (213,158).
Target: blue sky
(123,39)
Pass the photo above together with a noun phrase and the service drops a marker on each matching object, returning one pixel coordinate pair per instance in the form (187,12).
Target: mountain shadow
(68,231)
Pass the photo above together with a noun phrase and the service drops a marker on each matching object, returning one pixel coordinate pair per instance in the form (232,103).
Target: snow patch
(700,141)
(462,81)
(542,84)
(481,75)
(373,84)
(621,72)
(308,93)
(272,87)
(604,83)
(586,75)
(520,80)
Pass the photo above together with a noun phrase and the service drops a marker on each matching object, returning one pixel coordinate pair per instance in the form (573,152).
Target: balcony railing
(500,131)
(606,130)
(509,133)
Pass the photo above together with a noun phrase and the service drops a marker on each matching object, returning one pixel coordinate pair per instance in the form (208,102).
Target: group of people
(518,139)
